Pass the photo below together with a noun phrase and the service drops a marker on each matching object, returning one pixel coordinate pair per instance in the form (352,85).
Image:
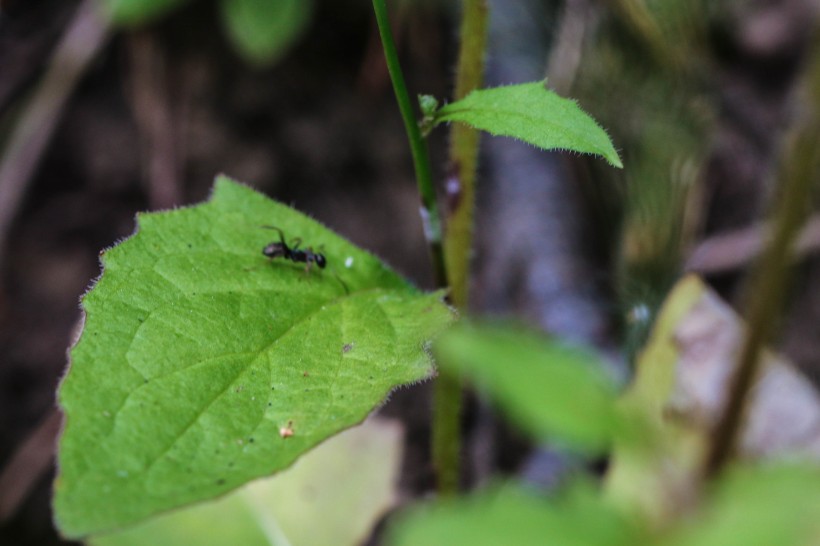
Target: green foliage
(553,391)
(198,358)
(261,30)
(513,515)
(429,106)
(752,506)
(138,12)
(759,506)
(332,495)
(534,114)
(644,78)
(203,365)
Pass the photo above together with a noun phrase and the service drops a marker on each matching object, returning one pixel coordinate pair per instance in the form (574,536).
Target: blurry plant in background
(713,440)
(652,61)
(261,31)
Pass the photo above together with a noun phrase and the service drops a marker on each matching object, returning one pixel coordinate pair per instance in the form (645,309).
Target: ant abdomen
(274,250)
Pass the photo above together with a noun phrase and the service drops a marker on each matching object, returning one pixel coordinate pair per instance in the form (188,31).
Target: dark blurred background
(697,99)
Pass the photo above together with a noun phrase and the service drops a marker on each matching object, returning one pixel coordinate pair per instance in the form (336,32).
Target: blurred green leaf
(332,495)
(550,389)
(511,515)
(203,365)
(262,30)
(137,12)
(534,114)
(770,504)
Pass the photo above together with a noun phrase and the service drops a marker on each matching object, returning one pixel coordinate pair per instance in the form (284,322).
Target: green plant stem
(418,146)
(446,432)
(458,238)
(799,168)
(447,392)
(464,140)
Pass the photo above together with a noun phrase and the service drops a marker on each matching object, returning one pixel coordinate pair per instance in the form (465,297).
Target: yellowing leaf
(334,494)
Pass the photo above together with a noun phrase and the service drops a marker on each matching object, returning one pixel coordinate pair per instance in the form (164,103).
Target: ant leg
(295,242)
(281,234)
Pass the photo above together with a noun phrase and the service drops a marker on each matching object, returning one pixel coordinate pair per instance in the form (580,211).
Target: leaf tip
(223,180)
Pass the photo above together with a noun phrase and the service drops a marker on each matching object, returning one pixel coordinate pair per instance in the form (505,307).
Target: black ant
(280,249)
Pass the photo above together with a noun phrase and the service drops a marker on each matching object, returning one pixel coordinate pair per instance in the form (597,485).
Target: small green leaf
(333,495)
(534,114)
(512,515)
(759,506)
(551,390)
(428,105)
(262,30)
(137,12)
(202,365)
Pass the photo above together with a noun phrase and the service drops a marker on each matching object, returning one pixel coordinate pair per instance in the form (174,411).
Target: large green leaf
(202,366)
(534,114)
(262,30)
(333,495)
(512,515)
(552,390)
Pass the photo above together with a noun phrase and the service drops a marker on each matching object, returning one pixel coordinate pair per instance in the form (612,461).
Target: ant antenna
(281,234)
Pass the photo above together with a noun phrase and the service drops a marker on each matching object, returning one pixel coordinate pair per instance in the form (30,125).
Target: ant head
(320,261)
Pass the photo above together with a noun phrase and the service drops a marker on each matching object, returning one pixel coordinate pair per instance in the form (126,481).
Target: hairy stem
(458,239)
(464,140)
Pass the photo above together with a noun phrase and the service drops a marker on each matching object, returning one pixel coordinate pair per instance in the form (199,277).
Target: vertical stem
(446,434)
(799,168)
(447,393)
(464,154)
(458,240)
(418,146)
(461,201)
